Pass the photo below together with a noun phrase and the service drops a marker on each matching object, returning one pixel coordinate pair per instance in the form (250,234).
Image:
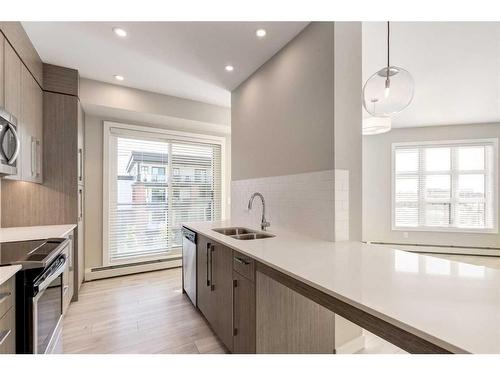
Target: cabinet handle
(241,261)
(80,165)
(212,250)
(4,296)
(33,158)
(208,264)
(80,203)
(4,335)
(38,158)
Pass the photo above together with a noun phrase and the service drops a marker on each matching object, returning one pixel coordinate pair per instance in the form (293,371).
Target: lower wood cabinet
(8,317)
(215,287)
(243,314)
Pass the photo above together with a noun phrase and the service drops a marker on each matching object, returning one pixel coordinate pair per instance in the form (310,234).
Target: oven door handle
(57,272)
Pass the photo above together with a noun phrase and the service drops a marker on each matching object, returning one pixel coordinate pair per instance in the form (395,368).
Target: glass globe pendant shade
(388,91)
(376,125)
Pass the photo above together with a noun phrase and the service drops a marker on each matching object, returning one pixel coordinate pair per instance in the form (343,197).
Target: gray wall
(348,116)
(282,116)
(377,185)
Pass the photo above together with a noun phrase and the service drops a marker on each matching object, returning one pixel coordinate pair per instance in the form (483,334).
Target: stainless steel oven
(9,143)
(47,305)
(39,292)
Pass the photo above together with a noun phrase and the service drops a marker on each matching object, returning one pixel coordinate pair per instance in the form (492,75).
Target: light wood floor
(143,313)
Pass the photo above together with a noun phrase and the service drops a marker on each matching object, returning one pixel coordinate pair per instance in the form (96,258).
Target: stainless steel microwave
(9,144)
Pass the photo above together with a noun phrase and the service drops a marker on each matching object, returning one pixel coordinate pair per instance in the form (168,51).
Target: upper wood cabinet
(12,81)
(2,80)
(31,128)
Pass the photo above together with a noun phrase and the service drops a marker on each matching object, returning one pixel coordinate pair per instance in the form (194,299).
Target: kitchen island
(417,302)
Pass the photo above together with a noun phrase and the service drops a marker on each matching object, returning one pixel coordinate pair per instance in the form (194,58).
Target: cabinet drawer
(7,295)
(244,265)
(8,333)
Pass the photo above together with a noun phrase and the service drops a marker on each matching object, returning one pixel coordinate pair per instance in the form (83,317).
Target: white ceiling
(455,65)
(184,59)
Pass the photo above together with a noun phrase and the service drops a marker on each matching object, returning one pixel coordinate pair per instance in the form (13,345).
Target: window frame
(453,175)
(153,133)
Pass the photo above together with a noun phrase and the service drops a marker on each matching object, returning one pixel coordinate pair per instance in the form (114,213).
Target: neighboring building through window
(146,206)
(445,186)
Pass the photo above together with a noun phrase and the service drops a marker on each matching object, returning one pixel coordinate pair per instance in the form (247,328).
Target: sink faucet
(264,223)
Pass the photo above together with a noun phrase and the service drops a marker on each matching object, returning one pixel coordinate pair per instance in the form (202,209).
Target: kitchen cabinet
(7,317)
(243,314)
(2,79)
(203,294)
(24,99)
(215,287)
(30,129)
(68,274)
(12,81)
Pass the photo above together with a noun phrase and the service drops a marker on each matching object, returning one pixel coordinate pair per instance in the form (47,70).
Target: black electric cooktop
(29,254)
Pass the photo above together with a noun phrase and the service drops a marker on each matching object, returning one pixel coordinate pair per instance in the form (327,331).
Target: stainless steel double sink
(244,234)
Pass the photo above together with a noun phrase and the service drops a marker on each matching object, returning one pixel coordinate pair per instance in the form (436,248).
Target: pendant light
(376,124)
(391,87)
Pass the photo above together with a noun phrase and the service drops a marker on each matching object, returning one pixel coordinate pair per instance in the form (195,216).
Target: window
(446,186)
(158,174)
(143,214)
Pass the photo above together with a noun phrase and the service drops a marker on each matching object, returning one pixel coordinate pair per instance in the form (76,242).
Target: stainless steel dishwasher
(189,263)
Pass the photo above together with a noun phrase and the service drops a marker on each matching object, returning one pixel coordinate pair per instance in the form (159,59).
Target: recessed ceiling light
(119,78)
(229,68)
(261,33)
(120,32)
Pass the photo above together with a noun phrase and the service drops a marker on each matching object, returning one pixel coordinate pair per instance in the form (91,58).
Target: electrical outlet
(405,234)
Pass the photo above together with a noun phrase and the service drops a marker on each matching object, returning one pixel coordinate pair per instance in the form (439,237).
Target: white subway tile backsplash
(313,203)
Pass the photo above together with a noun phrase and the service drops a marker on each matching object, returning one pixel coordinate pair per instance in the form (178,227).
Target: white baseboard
(353,346)
(95,274)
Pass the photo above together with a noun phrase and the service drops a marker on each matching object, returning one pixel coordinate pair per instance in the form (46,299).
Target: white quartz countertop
(452,304)
(34,233)
(6,272)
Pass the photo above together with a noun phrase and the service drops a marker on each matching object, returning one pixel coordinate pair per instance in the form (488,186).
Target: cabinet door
(243,315)
(222,287)
(81,146)
(204,294)
(26,163)
(2,79)
(38,130)
(12,79)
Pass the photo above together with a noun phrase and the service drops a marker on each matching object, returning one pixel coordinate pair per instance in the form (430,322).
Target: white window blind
(154,186)
(448,186)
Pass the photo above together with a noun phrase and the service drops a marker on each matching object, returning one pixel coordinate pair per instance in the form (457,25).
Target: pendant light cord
(388,45)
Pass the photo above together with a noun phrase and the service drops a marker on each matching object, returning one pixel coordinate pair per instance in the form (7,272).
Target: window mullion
(421,187)
(169,196)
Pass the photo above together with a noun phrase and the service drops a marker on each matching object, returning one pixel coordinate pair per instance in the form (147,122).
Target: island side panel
(287,322)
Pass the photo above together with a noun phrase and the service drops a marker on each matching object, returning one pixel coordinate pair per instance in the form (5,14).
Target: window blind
(154,186)
(448,186)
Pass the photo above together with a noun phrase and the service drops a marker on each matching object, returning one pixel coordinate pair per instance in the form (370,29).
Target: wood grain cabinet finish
(222,288)
(12,81)
(2,79)
(243,315)
(215,287)
(31,129)
(7,317)
(203,293)
(289,323)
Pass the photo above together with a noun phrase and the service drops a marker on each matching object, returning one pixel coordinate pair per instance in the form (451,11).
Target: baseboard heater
(442,249)
(131,268)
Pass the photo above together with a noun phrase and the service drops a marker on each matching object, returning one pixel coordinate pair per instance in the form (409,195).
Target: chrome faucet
(264,223)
